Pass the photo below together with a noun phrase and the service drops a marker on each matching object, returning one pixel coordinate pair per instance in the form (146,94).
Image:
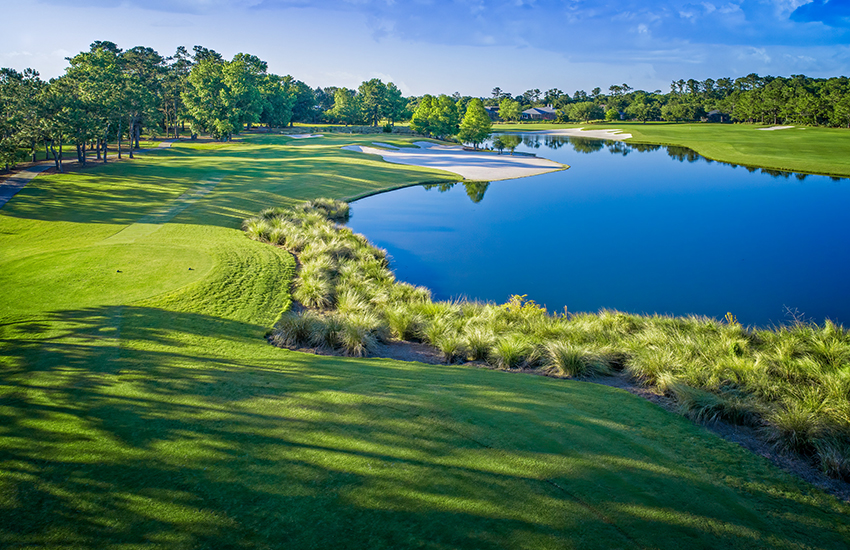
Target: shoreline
(469,165)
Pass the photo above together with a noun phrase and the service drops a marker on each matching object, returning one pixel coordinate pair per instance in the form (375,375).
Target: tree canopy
(476,126)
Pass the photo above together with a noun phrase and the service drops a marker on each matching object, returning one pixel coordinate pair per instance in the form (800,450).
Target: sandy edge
(610,134)
(775,128)
(470,165)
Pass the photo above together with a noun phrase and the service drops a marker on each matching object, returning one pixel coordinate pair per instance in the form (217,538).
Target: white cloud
(785,7)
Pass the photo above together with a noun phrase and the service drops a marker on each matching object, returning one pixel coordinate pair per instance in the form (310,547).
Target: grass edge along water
(790,382)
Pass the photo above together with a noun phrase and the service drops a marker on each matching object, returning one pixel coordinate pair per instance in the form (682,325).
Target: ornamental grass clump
(565,359)
(513,351)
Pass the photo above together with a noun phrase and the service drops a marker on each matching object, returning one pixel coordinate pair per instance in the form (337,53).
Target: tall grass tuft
(565,359)
(294,329)
(513,351)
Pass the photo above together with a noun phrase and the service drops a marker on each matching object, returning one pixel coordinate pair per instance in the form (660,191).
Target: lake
(641,229)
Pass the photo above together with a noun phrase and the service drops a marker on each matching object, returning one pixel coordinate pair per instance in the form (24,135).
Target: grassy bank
(143,408)
(792,383)
(801,149)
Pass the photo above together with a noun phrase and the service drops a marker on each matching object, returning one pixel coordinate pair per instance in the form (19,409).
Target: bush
(566,359)
(513,351)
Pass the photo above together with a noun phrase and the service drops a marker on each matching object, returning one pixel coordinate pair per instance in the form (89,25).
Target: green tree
(612,115)
(174,82)
(100,94)
(444,117)
(586,111)
(509,109)
(420,122)
(643,108)
(476,125)
(346,107)
(395,108)
(143,70)
(373,100)
(303,110)
(278,101)
(245,76)
(206,99)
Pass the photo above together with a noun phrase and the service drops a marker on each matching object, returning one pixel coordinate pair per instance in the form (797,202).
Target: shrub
(478,343)
(357,336)
(794,427)
(451,345)
(512,351)
(314,290)
(704,406)
(404,324)
(294,329)
(834,456)
(326,333)
(566,359)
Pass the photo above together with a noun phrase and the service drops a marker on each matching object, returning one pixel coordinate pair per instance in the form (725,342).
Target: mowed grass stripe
(157,416)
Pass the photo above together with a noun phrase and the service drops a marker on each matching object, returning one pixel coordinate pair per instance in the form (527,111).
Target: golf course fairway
(143,408)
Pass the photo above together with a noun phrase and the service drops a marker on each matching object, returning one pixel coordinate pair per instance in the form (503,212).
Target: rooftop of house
(541,110)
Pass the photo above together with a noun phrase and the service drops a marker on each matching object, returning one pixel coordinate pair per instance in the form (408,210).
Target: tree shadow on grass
(133,425)
(251,179)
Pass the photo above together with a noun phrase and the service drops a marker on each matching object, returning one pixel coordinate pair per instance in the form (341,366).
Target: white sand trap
(304,136)
(468,164)
(776,128)
(386,145)
(612,134)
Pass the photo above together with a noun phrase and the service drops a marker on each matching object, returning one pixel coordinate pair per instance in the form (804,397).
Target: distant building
(540,113)
(493,112)
(716,116)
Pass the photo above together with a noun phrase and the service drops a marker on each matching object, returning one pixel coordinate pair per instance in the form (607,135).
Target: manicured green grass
(144,409)
(800,149)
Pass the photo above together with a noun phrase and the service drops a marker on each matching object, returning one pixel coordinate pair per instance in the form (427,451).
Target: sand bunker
(776,128)
(611,134)
(470,165)
(304,136)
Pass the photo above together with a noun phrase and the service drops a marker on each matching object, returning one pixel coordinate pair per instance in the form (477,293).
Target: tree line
(770,100)
(109,95)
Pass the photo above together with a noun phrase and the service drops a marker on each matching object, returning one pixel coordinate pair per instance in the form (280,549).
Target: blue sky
(469,46)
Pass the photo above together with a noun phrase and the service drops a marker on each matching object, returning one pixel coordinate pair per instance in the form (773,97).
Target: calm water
(643,229)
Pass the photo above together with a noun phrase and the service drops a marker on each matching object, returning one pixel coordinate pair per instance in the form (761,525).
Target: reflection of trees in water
(441,187)
(644,147)
(474,189)
(555,142)
(776,173)
(592,145)
(531,141)
(682,154)
(586,145)
(618,148)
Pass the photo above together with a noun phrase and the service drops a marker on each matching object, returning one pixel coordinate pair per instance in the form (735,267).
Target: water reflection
(475,190)
(588,145)
(660,231)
